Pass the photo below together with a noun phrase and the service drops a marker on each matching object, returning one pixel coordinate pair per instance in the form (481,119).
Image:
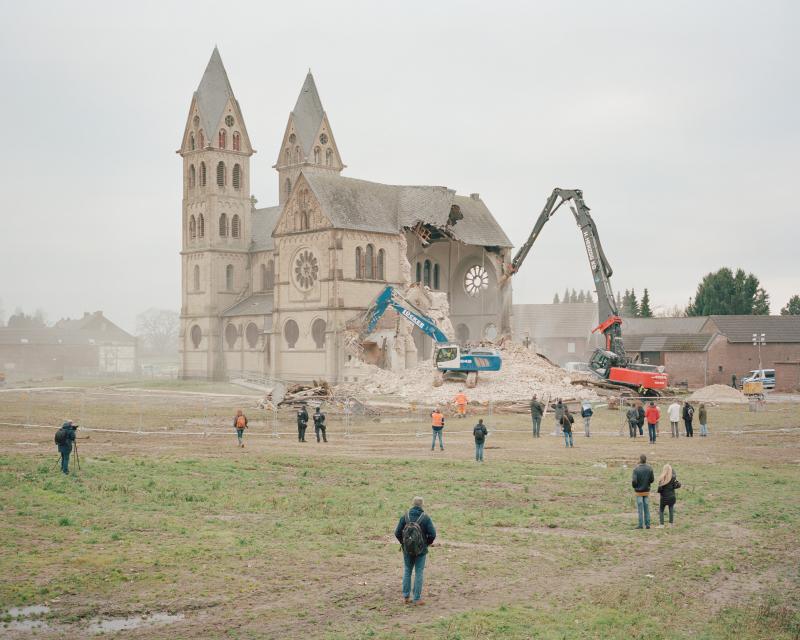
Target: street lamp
(758,340)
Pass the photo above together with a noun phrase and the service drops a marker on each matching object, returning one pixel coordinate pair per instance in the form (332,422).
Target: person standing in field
(537,411)
(64,438)
(586,414)
(674,412)
(479,432)
(558,413)
(640,481)
(688,416)
(415,533)
(302,423)
(640,420)
(667,483)
(702,417)
(632,416)
(461,404)
(567,421)
(240,424)
(319,425)
(652,415)
(437,426)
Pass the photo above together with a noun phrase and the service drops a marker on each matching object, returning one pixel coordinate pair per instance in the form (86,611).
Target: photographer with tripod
(64,439)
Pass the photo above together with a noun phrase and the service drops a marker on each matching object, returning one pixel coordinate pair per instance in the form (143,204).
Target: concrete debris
(523,374)
(718,393)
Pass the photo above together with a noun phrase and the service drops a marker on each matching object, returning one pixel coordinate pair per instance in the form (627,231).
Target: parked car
(764,376)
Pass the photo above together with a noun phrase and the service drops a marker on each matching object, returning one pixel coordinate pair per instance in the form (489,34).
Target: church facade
(269,291)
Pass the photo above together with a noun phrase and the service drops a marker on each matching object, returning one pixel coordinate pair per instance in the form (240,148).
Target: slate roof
(370,206)
(92,328)
(684,342)
(575,320)
(308,114)
(742,328)
(657,326)
(264,221)
(213,94)
(260,304)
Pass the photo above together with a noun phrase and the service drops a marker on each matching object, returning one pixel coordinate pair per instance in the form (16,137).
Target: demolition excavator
(450,359)
(610,363)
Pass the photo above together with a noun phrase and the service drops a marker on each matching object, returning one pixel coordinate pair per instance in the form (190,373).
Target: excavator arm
(610,322)
(390,297)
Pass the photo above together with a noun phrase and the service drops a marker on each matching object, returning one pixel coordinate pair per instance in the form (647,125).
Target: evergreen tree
(589,297)
(792,307)
(555,299)
(581,296)
(728,293)
(644,309)
(630,306)
(565,299)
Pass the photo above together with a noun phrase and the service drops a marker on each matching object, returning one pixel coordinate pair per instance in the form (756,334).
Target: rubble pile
(718,393)
(523,374)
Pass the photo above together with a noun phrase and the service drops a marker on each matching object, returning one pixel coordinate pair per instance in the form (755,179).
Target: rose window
(306,269)
(476,280)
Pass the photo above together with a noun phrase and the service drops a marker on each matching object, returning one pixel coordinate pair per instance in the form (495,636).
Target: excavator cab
(447,356)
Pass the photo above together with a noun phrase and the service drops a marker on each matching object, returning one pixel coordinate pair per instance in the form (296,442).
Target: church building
(268,291)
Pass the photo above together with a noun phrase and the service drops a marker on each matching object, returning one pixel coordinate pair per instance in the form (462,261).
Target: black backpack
(414,542)
(61,437)
(478,433)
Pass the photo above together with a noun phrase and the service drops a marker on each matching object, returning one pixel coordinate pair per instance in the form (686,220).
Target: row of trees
(579,296)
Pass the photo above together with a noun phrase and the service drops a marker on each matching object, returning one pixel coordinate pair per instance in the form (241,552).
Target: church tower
(216,216)
(307,142)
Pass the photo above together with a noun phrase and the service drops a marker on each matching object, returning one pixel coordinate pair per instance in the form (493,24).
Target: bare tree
(158,329)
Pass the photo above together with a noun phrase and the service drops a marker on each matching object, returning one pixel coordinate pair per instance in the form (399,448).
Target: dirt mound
(718,393)
(523,373)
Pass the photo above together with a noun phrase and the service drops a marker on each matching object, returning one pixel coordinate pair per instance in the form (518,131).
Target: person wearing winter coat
(537,411)
(702,416)
(653,415)
(640,421)
(567,420)
(674,411)
(632,416)
(688,416)
(641,480)
(558,413)
(586,414)
(667,483)
(479,432)
(414,562)
(240,424)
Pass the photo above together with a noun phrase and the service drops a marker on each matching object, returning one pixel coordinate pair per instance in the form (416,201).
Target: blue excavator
(450,359)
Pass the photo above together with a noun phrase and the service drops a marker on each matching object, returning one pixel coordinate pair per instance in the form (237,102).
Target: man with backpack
(688,416)
(64,438)
(319,424)
(640,421)
(415,533)
(479,432)
(240,424)
(567,421)
(302,423)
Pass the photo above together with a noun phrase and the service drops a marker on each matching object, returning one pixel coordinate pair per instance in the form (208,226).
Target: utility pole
(758,340)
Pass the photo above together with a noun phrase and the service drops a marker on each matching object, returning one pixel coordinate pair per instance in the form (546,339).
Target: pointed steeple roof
(308,113)
(213,94)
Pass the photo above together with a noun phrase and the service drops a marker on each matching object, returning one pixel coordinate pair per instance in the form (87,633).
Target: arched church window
(235,226)
(359,262)
(192,227)
(426,273)
(462,333)
(201,139)
(329,158)
(436,276)
(381,265)
(196,335)
(291,332)
(237,141)
(201,226)
(223,226)
(192,176)
(231,335)
(237,176)
(370,267)
(229,277)
(202,174)
(251,333)
(317,155)
(270,275)
(222,138)
(196,278)
(220,174)
(191,141)
(318,332)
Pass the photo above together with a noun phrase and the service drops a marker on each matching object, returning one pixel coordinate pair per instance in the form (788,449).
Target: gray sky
(679,121)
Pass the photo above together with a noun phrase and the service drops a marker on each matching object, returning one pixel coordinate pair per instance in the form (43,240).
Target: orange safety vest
(461,399)
(437,419)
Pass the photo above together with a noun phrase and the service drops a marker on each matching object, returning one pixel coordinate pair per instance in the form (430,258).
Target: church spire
(308,113)
(213,93)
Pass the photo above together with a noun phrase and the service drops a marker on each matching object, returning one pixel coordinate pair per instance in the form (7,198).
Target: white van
(765,376)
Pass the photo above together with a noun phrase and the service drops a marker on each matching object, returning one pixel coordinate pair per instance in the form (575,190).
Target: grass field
(282,540)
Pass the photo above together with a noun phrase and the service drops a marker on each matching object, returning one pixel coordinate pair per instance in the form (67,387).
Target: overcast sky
(679,120)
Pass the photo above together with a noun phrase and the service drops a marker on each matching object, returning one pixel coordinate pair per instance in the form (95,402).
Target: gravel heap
(718,393)
(523,373)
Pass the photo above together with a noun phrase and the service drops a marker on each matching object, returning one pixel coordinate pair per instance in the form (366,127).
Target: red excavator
(611,363)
